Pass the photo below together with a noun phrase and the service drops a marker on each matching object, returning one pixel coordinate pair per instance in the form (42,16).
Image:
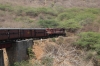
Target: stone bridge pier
(1,58)
(18,51)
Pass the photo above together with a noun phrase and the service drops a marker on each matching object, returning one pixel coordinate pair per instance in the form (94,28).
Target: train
(25,33)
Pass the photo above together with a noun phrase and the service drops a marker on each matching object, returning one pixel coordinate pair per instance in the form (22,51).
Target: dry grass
(64,54)
(65,3)
(7,20)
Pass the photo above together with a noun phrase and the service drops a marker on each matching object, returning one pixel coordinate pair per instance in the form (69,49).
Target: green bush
(47,61)
(49,11)
(42,10)
(93,10)
(66,16)
(74,10)
(75,18)
(36,11)
(89,40)
(84,15)
(71,25)
(48,23)
(6,7)
(31,53)
(31,12)
(23,19)
(22,63)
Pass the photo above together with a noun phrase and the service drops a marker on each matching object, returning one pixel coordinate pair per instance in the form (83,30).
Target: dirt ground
(64,55)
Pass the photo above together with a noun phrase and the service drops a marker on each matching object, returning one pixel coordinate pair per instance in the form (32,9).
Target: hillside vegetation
(70,18)
(54,3)
(80,18)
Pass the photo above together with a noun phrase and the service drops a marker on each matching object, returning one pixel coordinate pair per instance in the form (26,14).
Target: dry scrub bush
(49,48)
(60,40)
(61,56)
(37,63)
(65,54)
(47,61)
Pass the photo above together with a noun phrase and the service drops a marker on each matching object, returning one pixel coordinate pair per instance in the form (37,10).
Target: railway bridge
(15,52)
(17,41)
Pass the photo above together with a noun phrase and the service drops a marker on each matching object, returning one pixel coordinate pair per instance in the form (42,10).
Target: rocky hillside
(58,52)
(54,3)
